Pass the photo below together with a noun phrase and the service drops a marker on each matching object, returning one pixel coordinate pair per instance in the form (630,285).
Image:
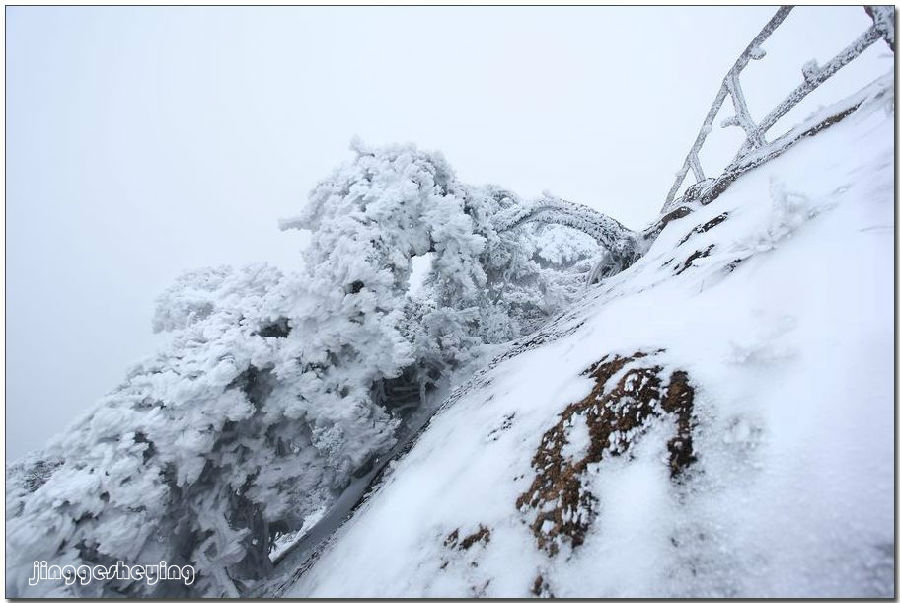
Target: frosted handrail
(883,27)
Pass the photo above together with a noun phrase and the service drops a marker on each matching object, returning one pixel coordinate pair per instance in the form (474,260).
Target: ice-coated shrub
(276,387)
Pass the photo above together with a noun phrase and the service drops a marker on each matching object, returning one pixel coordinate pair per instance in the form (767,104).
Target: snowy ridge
(744,371)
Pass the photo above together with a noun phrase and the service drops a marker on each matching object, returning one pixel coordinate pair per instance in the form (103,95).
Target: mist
(144,141)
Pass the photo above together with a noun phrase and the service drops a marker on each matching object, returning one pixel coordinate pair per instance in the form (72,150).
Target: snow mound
(716,420)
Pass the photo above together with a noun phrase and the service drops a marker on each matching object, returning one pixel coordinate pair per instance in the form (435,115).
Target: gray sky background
(145,141)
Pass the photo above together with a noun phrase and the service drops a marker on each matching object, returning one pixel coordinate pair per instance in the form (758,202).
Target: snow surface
(285,542)
(791,355)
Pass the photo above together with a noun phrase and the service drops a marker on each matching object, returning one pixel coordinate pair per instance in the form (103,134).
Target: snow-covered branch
(623,246)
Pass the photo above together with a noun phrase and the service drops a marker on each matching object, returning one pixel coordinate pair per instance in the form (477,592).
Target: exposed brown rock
(558,501)
(483,534)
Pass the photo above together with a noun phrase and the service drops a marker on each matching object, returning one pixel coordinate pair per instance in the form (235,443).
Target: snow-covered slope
(717,420)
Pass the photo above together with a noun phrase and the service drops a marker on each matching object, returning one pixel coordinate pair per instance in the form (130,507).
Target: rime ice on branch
(277,388)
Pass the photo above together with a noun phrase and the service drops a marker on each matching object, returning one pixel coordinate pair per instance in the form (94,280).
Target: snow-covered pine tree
(276,387)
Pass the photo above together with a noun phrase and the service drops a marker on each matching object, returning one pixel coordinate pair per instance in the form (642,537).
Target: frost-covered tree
(276,388)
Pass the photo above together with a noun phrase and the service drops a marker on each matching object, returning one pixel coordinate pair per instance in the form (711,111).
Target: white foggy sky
(145,141)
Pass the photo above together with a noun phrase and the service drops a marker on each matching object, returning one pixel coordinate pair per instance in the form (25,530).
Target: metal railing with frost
(813,75)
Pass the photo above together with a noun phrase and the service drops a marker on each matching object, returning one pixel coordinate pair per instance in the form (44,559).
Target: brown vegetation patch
(558,502)
(453,539)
